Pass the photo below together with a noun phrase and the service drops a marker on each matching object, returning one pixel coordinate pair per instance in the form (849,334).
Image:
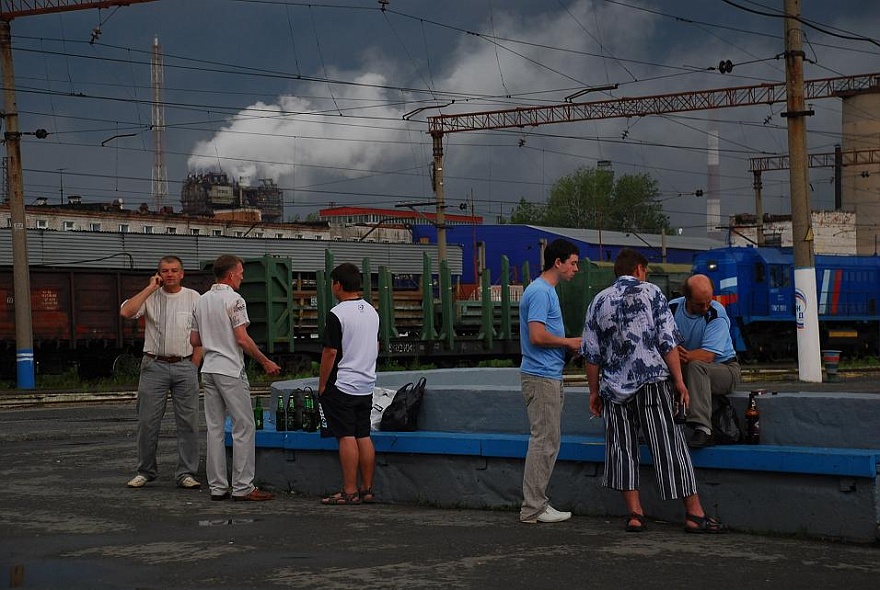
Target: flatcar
(756,285)
(76,322)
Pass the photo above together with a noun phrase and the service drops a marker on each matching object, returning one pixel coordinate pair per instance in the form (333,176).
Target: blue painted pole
(24,361)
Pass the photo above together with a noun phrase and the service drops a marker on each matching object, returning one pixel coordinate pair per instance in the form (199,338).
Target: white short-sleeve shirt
(218,312)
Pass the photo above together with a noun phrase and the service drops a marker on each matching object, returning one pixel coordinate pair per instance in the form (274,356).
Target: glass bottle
(258,414)
(753,424)
(294,422)
(280,418)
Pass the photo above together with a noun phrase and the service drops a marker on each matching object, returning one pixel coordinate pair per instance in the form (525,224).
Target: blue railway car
(756,285)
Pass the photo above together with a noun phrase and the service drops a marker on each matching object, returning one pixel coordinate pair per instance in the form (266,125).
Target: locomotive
(756,285)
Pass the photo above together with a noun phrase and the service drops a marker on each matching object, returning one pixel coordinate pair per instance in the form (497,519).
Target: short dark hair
(170,259)
(348,276)
(224,264)
(627,261)
(561,249)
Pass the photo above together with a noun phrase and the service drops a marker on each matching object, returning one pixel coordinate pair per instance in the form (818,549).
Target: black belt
(730,361)
(167,359)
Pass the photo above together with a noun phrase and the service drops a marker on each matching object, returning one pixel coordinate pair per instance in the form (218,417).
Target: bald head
(698,291)
(698,286)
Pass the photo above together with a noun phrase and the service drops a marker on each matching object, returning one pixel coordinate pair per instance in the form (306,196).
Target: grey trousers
(156,379)
(229,394)
(544,398)
(705,380)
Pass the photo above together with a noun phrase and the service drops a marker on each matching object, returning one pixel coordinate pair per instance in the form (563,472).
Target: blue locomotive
(756,285)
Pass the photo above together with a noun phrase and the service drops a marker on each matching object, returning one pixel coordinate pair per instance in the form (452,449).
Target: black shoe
(220,497)
(700,440)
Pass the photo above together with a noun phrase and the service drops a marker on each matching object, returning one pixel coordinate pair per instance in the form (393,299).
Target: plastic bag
(382,398)
(725,424)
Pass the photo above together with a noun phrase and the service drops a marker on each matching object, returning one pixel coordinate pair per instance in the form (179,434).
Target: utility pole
(806,301)
(21,279)
(24,333)
(439,196)
(759,206)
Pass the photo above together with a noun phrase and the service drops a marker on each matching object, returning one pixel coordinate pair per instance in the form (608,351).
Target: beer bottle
(280,418)
(292,422)
(753,426)
(258,414)
(308,415)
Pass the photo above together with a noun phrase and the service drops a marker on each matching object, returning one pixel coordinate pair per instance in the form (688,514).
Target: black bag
(403,413)
(725,424)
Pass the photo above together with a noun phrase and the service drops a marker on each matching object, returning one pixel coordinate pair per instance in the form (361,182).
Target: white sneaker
(138,481)
(189,482)
(551,514)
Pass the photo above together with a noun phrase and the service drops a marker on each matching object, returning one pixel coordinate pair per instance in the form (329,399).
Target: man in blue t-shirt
(543,343)
(708,359)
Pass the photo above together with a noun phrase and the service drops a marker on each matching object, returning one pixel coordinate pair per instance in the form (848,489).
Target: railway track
(54,397)
(782,373)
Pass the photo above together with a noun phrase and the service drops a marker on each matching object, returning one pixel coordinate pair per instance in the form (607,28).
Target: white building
(834,232)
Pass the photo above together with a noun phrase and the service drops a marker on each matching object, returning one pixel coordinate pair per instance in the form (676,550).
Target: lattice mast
(160,176)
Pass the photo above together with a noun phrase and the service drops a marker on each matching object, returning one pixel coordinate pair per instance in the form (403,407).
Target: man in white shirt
(220,324)
(170,362)
(345,384)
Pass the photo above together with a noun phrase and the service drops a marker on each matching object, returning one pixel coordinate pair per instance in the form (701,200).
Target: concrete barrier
(814,474)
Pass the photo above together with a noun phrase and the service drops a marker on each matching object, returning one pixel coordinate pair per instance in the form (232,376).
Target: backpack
(402,414)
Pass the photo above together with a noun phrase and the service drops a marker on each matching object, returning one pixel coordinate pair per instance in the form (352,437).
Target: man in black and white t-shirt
(345,386)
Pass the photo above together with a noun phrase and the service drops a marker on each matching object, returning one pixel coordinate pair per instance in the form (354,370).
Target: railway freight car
(76,320)
(592,277)
(756,285)
(75,317)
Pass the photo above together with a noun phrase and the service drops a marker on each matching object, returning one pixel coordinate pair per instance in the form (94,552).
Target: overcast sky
(313,95)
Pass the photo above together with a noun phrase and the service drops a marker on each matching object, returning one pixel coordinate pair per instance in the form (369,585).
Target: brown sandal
(366,496)
(342,499)
(705,525)
(633,528)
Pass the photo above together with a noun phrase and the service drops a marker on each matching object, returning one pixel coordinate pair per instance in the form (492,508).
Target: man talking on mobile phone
(170,362)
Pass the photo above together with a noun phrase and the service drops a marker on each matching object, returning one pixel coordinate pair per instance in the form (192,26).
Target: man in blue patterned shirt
(630,337)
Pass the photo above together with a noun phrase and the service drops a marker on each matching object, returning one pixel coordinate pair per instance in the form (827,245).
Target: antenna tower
(160,178)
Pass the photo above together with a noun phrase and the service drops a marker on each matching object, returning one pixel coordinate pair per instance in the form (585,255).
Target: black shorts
(346,414)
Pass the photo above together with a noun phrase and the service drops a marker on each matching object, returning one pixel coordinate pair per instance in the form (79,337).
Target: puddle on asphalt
(55,574)
(227,521)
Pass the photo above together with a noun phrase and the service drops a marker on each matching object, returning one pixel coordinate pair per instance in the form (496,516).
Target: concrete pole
(838,178)
(806,301)
(24,337)
(439,197)
(759,207)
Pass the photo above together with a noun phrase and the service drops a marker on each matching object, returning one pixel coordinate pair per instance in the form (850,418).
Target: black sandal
(632,528)
(342,499)
(706,525)
(366,495)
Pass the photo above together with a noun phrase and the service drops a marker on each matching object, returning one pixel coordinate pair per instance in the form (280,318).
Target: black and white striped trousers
(649,410)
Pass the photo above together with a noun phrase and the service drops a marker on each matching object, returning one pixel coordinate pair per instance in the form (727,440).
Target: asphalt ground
(67,520)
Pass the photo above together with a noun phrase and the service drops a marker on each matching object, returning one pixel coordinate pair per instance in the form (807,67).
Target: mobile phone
(679,413)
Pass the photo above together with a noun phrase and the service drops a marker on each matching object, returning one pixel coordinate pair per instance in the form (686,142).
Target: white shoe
(551,514)
(189,482)
(138,481)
